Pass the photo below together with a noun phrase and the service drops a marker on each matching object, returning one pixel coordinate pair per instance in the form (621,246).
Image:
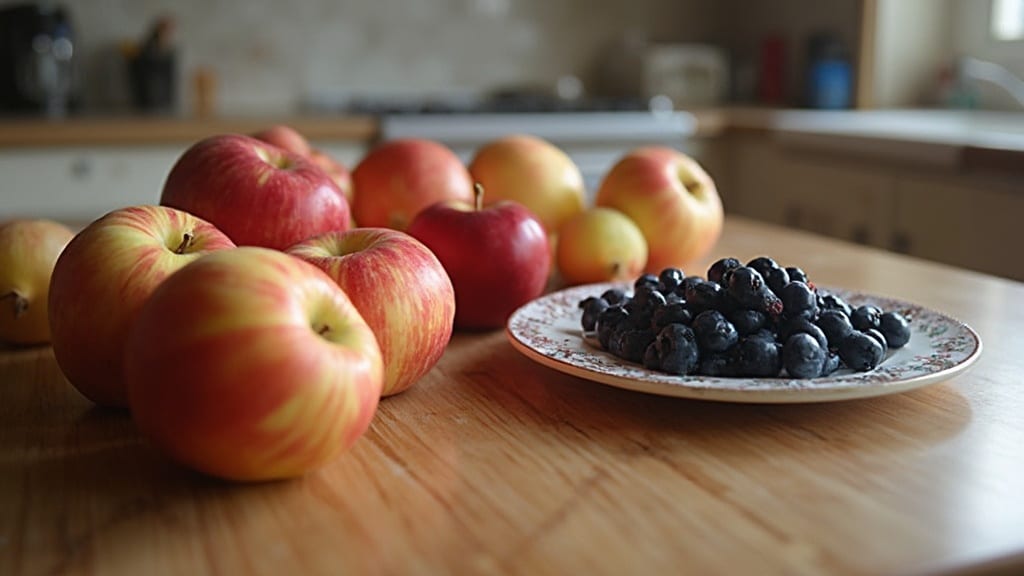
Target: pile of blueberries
(753,320)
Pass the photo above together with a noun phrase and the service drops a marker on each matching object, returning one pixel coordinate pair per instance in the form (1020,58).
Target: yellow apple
(532,172)
(672,200)
(600,245)
(28,253)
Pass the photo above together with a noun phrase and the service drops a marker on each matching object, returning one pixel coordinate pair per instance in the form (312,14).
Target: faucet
(969,68)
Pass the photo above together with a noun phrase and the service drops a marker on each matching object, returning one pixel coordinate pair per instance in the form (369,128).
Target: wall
(271,56)
(912,43)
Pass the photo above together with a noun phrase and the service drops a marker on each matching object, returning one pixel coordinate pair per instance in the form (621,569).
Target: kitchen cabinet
(815,193)
(935,212)
(81,183)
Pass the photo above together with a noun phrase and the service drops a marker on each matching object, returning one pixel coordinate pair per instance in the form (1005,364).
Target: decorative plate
(547,330)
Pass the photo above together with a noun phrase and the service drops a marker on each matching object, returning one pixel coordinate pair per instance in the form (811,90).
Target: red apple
(257,194)
(401,290)
(249,364)
(497,257)
(671,199)
(286,138)
(28,253)
(101,281)
(336,170)
(533,172)
(397,179)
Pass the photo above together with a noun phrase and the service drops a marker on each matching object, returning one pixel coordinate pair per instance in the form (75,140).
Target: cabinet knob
(900,243)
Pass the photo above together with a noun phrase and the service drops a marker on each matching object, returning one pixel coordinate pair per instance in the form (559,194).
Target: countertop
(134,130)
(493,464)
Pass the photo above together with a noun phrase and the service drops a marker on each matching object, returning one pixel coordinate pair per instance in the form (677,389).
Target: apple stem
(478,196)
(186,242)
(616,270)
(323,330)
(20,303)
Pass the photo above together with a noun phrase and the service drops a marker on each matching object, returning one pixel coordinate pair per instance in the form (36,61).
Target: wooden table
(494,464)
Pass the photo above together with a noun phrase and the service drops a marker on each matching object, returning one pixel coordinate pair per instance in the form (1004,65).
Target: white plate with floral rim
(548,331)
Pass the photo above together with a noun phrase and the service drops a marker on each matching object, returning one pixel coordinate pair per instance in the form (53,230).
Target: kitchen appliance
(37,59)
(687,74)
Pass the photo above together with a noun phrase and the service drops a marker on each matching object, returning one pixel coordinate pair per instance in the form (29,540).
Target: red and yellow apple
(104,276)
(399,288)
(250,364)
(290,139)
(28,252)
(533,172)
(399,178)
(497,257)
(257,194)
(671,199)
(600,245)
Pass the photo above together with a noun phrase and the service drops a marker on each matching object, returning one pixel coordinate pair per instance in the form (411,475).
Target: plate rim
(776,395)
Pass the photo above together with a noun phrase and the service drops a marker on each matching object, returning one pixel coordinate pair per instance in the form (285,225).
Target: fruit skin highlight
(251,364)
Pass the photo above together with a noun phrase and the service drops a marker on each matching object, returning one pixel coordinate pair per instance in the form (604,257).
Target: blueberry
(645,279)
(829,301)
(877,335)
(609,321)
(677,348)
(802,356)
(614,296)
(835,325)
(675,313)
(796,275)
(895,328)
(762,264)
(865,317)
(704,295)
(757,357)
(720,267)
(674,298)
(631,344)
(670,279)
(799,301)
(860,352)
(747,288)
(592,309)
(652,359)
(747,321)
(831,364)
(776,279)
(714,333)
(802,325)
(646,299)
(715,365)
(688,283)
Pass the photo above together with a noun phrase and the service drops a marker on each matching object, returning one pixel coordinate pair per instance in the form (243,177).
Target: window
(1008,19)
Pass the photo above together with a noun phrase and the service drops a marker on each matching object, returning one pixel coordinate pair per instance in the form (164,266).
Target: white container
(691,75)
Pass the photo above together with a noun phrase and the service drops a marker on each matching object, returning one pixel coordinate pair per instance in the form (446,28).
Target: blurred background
(892,123)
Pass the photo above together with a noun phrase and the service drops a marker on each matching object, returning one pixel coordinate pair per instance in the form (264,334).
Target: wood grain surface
(493,464)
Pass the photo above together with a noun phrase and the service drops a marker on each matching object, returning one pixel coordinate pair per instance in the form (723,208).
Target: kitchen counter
(493,464)
(133,130)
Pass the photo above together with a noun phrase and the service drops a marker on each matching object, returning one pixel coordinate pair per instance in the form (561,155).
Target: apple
(28,251)
(250,364)
(533,172)
(336,170)
(290,139)
(399,178)
(671,199)
(497,256)
(286,138)
(101,280)
(600,245)
(400,289)
(257,194)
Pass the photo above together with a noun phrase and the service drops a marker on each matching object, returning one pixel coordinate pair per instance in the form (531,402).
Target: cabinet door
(972,225)
(813,192)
